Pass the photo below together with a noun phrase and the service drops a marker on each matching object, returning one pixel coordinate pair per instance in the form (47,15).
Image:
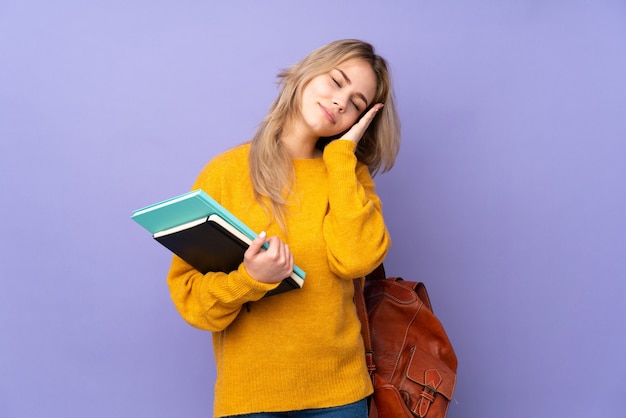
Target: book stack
(195,227)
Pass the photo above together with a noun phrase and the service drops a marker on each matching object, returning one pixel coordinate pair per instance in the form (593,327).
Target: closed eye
(358,95)
(338,84)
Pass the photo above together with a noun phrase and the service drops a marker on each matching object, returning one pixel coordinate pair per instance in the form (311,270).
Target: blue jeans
(353,410)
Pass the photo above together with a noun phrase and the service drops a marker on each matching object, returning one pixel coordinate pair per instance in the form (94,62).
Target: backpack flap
(435,381)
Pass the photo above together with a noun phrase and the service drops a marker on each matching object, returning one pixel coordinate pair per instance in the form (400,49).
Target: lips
(329,115)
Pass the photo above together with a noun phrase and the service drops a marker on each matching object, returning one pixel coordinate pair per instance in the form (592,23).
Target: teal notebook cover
(176,211)
(186,208)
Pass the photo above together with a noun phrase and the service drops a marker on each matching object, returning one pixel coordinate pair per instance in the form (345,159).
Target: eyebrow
(359,94)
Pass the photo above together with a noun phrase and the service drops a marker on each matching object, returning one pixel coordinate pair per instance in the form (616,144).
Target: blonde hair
(271,169)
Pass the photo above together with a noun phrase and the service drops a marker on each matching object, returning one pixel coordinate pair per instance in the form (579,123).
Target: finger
(279,252)
(282,256)
(256,245)
(369,116)
(287,256)
(291,262)
(273,246)
(286,261)
(359,128)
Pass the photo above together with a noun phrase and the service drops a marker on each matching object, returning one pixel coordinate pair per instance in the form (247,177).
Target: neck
(299,144)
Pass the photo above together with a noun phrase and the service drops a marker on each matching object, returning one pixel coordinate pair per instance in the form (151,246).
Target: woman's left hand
(358,129)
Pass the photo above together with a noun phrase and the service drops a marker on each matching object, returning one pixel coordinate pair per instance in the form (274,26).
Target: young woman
(305,179)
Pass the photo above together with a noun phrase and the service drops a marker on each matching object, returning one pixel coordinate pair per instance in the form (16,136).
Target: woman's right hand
(271,265)
(358,129)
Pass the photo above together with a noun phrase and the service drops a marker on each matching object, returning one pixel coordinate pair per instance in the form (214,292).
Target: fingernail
(262,234)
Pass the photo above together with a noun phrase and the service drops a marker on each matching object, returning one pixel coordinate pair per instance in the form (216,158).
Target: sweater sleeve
(211,301)
(354,229)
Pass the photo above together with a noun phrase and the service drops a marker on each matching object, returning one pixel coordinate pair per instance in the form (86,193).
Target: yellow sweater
(301,349)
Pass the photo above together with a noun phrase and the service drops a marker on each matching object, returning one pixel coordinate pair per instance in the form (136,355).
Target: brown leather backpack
(411,360)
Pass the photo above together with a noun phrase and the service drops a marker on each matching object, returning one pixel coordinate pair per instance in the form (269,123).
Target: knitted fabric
(301,349)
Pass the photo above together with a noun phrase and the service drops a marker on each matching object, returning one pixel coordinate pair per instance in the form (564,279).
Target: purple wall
(508,198)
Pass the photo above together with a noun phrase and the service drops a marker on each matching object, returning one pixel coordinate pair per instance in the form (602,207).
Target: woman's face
(332,102)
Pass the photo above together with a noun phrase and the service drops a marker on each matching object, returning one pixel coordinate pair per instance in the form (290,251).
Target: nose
(339,103)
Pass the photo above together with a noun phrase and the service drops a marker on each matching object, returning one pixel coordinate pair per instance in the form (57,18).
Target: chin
(325,140)
(332,133)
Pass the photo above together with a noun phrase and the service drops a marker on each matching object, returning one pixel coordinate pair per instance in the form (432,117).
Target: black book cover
(208,246)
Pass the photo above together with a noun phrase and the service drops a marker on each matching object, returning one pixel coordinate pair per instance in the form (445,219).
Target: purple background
(508,198)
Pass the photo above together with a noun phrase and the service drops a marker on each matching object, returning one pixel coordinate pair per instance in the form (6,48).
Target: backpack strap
(361,310)
(420,288)
(377,274)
